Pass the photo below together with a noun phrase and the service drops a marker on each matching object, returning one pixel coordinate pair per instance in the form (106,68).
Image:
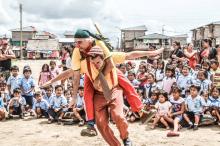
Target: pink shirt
(44,77)
(167,84)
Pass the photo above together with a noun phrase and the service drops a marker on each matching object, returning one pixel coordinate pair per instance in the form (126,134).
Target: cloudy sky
(57,16)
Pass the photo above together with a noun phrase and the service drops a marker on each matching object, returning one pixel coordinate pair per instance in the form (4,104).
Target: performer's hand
(46,84)
(159,51)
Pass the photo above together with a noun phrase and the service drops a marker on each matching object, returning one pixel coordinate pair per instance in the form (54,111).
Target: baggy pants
(115,107)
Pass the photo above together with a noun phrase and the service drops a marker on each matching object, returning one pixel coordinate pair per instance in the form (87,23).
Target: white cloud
(57,16)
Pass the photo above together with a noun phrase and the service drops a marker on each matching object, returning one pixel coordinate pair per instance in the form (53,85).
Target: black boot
(127,142)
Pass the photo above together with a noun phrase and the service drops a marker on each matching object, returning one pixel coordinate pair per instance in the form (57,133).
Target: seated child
(215,103)
(194,107)
(129,114)
(78,110)
(40,106)
(68,114)
(4,93)
(150,102)
(177,111)
(132,79)
(163,107)
(48,93)
(17,104)
(207,118)
(2,109)
(2,77)
(67,95)
(57,104)
(149,105)
(206,101)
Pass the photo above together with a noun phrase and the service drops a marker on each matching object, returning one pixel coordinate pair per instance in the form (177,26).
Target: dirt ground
(36,132)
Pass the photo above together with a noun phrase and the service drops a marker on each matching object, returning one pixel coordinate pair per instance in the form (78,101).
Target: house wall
(216,32)
(25,36)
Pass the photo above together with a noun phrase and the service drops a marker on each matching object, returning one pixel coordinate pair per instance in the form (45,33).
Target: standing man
(92,67)
(6,54)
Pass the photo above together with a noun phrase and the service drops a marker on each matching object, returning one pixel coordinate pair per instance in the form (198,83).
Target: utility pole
(20,8)
(163,42)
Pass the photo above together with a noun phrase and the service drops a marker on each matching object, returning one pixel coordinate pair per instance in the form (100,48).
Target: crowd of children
(176,95)
(173,93)
(21,95)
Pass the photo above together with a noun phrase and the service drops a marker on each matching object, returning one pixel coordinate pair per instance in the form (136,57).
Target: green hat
(81,34)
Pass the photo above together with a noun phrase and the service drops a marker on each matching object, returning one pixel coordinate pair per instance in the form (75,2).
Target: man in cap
(6,54)
(84,42)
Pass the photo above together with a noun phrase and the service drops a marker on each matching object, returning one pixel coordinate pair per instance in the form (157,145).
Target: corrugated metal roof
(137,28)
(28,28)
(180,36)
(154,36)
(213,23)
(66,40)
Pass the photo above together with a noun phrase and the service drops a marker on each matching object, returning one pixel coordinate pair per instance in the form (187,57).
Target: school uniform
(203,84)
(43,105)
(214,102)
(57,102)
(149,89)
(135,83)
(6,98)
(26,85)
(184,82)
(195,105)
(80,102)
(1,103)
(48,98)
(13,82)
(18,106)
(159,75)
(149,101)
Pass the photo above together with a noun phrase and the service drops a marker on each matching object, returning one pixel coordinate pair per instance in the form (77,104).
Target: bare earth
(32,132)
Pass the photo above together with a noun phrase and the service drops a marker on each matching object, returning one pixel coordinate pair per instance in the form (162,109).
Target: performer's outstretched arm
(139,54)
(64,75)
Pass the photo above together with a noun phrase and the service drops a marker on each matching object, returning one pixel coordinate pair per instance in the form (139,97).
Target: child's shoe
(195,127)
(81,123)
(59,122)
(190,126)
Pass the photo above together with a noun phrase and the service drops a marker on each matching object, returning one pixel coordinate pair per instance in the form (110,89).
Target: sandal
(168,128)
(172,134)
(50,121)
(89,131)
(179,127)
(59,121)
(152,127)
